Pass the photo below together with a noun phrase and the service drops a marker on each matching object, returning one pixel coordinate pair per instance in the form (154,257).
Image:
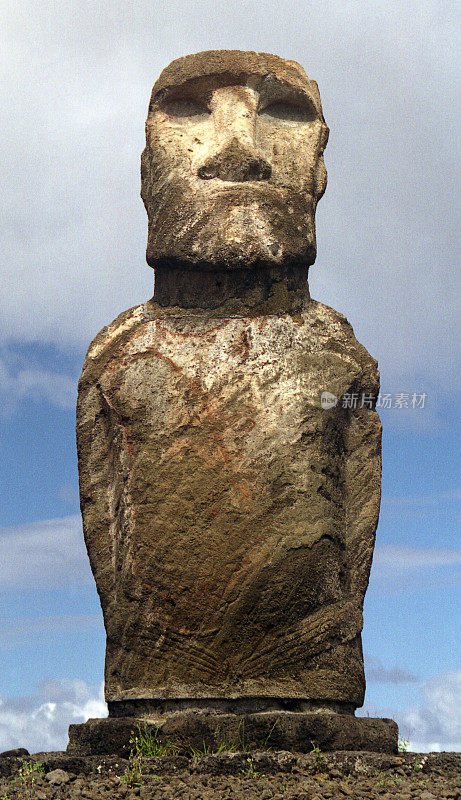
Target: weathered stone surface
(199,730)
(17,752)
(233,166)
(229,519)
(57,777)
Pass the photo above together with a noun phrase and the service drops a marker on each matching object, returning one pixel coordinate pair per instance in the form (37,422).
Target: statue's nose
(236,162)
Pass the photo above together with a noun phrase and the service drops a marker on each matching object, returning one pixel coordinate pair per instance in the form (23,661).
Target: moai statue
(229,489)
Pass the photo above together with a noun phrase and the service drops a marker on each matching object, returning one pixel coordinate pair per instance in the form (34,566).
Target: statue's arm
(100,448)
(96,482)
(362,477)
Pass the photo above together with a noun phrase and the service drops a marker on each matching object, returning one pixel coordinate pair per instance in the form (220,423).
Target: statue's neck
(261,290)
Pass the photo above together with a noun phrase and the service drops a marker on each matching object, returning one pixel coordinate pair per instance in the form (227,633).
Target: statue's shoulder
(335,333)
(326,319)
(107,343)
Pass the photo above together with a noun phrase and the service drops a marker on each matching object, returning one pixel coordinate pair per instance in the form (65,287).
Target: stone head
(233,165)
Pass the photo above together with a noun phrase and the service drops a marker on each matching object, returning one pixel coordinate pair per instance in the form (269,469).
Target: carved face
(233,167)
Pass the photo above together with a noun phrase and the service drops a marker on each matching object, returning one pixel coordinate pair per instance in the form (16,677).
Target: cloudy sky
(76,82)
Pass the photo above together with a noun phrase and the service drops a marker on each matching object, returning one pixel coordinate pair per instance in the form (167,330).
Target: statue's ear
(145,176)
(320,183)
(324,137)
(320,170)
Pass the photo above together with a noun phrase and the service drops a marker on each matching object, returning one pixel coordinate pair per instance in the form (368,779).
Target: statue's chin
(249,254)
(233,230)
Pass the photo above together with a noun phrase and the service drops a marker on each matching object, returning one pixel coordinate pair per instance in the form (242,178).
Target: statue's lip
(263,190)
(261,187)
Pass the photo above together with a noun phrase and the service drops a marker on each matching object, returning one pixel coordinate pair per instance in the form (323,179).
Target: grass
(208,750)
(145,744)
(28,774)
(319,757)
(250,771)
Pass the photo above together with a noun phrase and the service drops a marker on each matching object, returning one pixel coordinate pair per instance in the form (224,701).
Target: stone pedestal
(209,730)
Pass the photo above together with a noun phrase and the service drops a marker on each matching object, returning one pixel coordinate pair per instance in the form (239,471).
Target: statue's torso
(222,498)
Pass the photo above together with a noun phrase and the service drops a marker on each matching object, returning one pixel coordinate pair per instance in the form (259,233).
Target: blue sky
(77,83)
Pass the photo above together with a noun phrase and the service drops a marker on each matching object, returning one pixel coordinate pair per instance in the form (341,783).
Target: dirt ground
(272,775)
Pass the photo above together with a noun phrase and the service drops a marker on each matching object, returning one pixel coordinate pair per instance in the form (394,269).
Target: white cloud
(40,723)
(25,382)
(401,568)
(424,507)
(46,554)
(392,557)
(408,502)
(435,725)
(376,671)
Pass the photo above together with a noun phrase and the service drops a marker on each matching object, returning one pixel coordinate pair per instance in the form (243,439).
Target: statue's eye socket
(287,112)
(185,109)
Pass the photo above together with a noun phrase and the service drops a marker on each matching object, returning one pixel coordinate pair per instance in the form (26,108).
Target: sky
(76,81)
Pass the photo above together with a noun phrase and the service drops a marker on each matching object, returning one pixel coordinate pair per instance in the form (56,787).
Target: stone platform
(240,776)
(207,730)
